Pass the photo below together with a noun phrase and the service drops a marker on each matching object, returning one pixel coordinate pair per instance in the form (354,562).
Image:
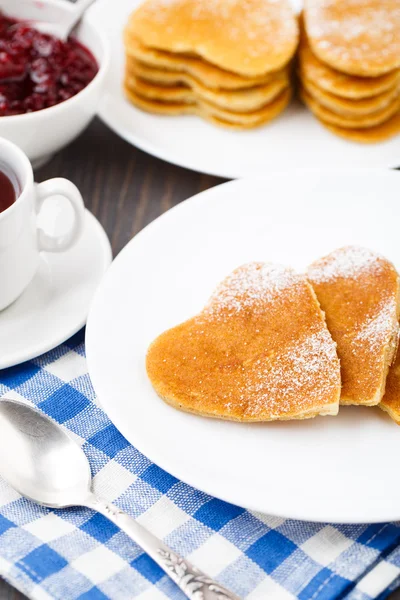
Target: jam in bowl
(38,70)
(49,91)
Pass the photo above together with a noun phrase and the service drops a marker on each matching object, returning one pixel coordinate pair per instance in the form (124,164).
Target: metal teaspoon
(41,462)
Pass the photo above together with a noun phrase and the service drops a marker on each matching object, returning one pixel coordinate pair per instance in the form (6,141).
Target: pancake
(164,76)
(359,37)
(212,113)
(235,101)
(372,135)
(353,122)
(349,107)
(247,37)
(360,294)
(391,400)
(259,351)
(170,65)
(335,82)
(152,91)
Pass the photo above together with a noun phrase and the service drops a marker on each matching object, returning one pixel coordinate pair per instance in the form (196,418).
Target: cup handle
(65,188)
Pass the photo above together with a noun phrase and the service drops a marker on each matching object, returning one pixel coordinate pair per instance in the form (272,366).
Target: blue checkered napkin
(77,554)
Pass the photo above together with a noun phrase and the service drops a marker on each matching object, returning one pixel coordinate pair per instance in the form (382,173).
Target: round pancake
(248,37)
(212,113)
(235,101)
(373,135)
(360,37)
(168,64)
(335,82)
(362,122)
(348,107)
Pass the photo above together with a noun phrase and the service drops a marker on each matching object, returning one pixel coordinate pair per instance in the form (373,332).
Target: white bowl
(42,133)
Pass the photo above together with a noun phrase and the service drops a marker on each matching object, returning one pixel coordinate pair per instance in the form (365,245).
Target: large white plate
(296,139)
(339,469)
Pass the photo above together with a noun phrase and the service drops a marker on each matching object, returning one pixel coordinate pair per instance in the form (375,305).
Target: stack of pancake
(225,60)
(349,66)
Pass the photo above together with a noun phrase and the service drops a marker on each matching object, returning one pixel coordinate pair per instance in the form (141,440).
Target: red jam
(39,70)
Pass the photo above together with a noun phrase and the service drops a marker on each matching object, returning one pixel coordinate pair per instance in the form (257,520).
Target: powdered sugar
(377,331)
(259,351)
(252,285)
(355,30)
(347,262)
(376,22)
(251,22)
(257,12)
(358,289)
(302,374)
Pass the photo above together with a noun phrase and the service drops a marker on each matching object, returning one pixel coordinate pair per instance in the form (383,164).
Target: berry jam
(38,70)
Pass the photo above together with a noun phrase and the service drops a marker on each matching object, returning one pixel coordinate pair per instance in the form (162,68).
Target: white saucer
(56,303)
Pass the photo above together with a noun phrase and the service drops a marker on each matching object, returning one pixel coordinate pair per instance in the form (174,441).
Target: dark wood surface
(125,189)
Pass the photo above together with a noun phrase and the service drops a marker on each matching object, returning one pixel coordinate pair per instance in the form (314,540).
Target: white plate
(296,139)
(326,469)
(56,303)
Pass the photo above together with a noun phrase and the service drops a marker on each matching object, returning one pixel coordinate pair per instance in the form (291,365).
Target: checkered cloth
(77,554)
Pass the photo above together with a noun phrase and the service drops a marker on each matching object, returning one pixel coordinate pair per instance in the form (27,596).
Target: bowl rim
(103,68)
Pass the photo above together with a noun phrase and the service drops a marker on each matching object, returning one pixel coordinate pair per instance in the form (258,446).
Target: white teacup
(21,240)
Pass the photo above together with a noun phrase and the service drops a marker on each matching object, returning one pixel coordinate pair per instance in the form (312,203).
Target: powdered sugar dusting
(304,373)
(251,22)
(358,289)
(347,262)
(297,375)
(355,30)
(259,351)
(251,286)
(377,331)
(259,13)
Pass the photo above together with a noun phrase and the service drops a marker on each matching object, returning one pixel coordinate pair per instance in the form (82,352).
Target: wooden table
(126,189)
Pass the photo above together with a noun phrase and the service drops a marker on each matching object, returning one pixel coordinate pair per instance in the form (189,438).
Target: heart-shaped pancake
(339,83)
(331,117)
(259,351)
(248,37)
(348,107)
(168,65)
(190,91)
(359,291)
(359,37)
(212,113)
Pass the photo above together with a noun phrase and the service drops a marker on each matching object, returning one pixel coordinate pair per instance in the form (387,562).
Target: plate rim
(146,146)
(144,447)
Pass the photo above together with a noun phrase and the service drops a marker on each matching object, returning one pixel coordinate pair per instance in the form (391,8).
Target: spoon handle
(195,584)
(80,7)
